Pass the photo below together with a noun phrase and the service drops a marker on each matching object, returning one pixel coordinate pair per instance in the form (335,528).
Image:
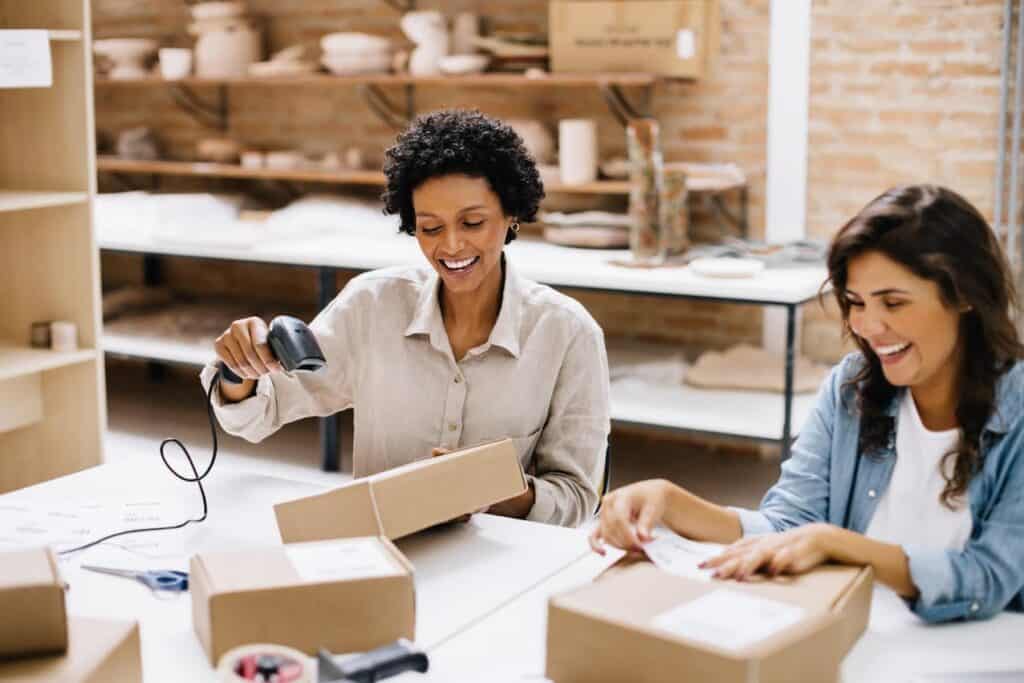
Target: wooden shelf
(18,361)
(65,36)
(19,200)
(564,80)
(708,181)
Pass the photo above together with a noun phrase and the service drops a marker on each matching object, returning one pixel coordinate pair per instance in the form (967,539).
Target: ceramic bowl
(217,10)
(341,65)
(464,64)
(354,42)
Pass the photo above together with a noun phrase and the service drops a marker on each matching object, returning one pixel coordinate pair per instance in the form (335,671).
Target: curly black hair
(456,141)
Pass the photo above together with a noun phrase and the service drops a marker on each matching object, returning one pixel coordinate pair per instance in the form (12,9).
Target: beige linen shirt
(540,379)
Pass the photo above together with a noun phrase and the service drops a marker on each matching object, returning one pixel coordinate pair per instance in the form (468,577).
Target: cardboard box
(346,595)
(407,499)
(642,625)
(677,38)
(99,651)
(32,616)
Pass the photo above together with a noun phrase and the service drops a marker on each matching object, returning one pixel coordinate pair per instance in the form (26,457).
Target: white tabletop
(462,571)
(536,260)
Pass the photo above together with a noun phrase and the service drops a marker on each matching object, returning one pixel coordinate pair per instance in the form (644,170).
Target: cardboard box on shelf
(99,651)
(407,499)
(643,625)
(31,604)
(345,595)
(674,38)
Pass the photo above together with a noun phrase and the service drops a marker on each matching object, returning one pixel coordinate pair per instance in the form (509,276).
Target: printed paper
(676,555)
(25,59)
(729,619)
(341,560)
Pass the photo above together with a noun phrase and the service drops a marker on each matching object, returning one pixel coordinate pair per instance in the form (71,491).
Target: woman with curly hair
(913,459)
(453,354)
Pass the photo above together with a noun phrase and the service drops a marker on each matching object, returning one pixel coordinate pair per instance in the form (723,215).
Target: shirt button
(871,493)
(452,426)
(975,607)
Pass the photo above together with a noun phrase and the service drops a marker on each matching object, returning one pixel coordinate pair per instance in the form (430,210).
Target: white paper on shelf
(25,59)
(340,560)
(728,619)
(676,555)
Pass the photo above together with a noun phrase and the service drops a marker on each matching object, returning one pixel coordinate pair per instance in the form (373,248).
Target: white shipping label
(679,556)
(25,59)
(341,560)
(686,44)
(728,619)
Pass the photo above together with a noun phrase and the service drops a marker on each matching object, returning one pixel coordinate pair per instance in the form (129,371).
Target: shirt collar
(427,318)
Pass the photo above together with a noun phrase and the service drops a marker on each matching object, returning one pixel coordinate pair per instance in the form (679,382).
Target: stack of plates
(592,229)
(348,54)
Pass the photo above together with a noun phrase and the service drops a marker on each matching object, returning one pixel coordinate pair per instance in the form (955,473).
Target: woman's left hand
(790,552)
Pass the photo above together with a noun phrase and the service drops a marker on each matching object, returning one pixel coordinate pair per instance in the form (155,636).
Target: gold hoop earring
(514,227)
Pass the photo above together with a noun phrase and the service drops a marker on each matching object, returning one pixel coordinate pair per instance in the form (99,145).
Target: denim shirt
(817,485)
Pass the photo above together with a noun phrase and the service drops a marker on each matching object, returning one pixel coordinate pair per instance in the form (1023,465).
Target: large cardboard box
(407,499)
(99,651)
(642,625)
(677,38)
(32,616)
(345,595)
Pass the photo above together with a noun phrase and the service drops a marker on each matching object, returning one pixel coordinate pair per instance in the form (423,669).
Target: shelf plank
(19,361)
(697,181)
(691,409)
(169,351)
(19,200)
(564,80)
(64,36)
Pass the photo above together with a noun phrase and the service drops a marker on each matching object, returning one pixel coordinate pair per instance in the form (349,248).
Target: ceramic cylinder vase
(577,151)
(674,217)
(646,239)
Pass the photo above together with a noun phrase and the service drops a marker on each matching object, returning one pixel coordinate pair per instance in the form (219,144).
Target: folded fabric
(652,363)
(750,368)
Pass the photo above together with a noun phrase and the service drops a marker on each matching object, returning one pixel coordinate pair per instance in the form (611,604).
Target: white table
(462,571)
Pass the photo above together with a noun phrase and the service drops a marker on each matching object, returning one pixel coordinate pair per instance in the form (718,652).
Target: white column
(788,93)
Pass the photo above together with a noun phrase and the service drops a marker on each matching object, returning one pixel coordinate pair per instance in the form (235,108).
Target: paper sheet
(340,560)
(728,619)
(676,555)
(25,59)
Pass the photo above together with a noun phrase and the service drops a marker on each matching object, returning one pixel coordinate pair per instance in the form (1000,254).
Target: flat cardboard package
(677,38)
(346,595)
(407,499)
(32,616)
(637,623)
(99,651)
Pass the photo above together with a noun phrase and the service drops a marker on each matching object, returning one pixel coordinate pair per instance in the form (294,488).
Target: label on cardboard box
(680,556)
(729,619)
(686,44)
(341,560)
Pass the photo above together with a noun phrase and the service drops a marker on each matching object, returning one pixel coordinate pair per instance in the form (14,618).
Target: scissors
(156,579)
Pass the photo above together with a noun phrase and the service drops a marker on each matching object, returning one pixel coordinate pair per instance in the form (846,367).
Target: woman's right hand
(629,515)
(243,348)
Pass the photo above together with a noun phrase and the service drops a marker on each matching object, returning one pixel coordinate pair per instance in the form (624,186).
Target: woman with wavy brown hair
(913,459)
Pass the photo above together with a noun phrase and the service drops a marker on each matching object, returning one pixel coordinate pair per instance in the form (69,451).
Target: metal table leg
(788,391)
(329,426)
(153,275)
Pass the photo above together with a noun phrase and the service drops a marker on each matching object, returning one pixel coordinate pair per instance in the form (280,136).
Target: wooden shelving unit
(503,80)
(52,404)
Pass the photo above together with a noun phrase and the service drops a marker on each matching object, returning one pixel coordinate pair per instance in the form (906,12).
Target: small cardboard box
(642,625)
(32,616)
(99,651)
(345,595)
(677,38)
(407,499)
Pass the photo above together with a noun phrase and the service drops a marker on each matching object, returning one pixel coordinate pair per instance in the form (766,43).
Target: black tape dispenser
(292,344)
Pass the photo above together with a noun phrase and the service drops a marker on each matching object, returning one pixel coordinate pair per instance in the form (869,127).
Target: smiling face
(461,228)
(904,320)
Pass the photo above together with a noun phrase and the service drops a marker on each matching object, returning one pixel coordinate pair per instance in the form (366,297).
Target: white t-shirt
(910,511)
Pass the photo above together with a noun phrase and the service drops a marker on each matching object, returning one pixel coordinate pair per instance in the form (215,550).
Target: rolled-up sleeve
(570,454)
(285,397)
(979,581)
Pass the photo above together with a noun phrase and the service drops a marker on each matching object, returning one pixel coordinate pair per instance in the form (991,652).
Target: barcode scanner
(293,345)
(295,348)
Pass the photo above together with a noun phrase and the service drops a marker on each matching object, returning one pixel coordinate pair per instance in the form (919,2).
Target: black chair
(607,481)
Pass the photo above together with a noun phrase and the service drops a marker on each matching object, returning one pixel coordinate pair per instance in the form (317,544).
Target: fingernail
(702,565)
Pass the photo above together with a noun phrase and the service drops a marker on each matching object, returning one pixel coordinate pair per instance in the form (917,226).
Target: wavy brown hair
(939,236)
